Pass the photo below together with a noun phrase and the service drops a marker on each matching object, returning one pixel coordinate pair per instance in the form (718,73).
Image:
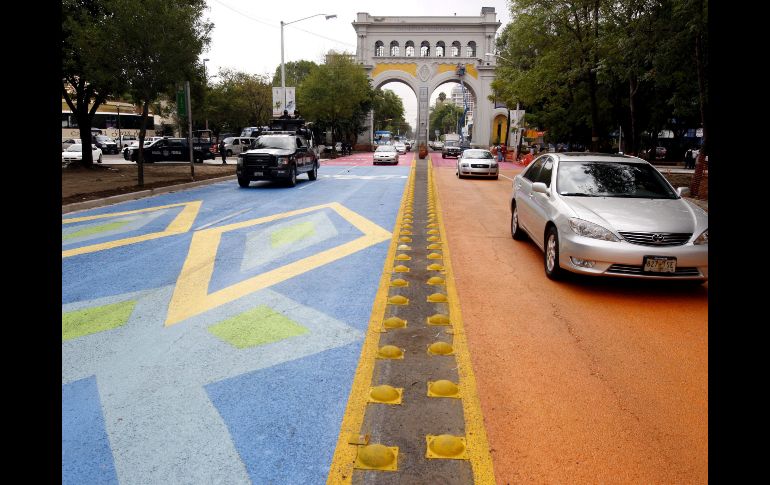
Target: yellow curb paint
(181,224)
(341,468)
(475,433)
(191,295)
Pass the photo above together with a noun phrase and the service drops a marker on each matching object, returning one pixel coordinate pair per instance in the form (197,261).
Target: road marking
(181,224)
(340,470)
(191,295)
(475,433)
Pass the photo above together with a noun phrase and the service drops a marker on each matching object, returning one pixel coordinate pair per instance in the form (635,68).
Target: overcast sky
(247,33)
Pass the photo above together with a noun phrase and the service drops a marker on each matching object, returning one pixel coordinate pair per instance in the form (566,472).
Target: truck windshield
(273,141)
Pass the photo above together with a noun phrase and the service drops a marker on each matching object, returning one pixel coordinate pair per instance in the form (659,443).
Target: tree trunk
(633,85)
(700,163)
(142,133)
(594,111)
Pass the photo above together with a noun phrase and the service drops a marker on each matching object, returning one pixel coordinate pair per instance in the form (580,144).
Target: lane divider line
(345,453)
(475,433)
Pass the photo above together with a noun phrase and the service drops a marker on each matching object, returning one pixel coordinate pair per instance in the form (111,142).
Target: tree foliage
(239,100)
(388,109)
(88,76)
(583,68)
(154,61)
(444,117)
(337,96)
(296,72)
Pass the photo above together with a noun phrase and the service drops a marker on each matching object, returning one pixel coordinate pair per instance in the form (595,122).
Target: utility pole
(189,129)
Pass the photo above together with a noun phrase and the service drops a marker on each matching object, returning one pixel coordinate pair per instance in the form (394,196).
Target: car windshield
(272,141)
(104,138)
(228,140)
(612,179)
(386,148)
(477,154)
(77,147)
(451,144)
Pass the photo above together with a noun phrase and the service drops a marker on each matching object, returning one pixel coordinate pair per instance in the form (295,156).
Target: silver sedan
(615,215)
(476,162)
(385,154)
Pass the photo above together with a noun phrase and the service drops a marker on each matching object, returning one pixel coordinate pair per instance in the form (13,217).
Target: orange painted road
(584,381)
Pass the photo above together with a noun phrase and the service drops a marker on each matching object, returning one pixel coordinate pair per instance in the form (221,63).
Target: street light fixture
(283,71)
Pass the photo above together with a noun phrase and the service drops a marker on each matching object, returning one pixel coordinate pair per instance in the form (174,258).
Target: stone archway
(422,70)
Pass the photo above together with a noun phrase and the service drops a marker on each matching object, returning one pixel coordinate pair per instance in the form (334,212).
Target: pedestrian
(695,154)
(499,153)
(285,115)
(223,152)
(688,158)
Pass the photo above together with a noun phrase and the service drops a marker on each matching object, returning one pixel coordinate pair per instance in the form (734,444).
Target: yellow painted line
(341,468)
(191,295)
(475,433)
(181,224)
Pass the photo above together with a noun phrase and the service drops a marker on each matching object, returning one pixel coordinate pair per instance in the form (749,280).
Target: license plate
(258,174)
(659,264)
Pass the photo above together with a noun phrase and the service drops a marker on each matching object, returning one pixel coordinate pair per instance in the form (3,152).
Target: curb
(90,204)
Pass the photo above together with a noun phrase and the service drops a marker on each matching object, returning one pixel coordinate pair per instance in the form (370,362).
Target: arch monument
(425,52)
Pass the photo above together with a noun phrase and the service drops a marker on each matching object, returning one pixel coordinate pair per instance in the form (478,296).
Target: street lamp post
(283,70)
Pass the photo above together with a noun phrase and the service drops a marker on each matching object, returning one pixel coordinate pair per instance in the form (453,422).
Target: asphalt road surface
(212,335)
(585,381)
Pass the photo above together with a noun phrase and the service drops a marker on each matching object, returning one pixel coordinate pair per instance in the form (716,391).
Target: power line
(276,27)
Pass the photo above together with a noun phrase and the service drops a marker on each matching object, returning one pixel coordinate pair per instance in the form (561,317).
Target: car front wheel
(313,174)
(551,255)
(243,182)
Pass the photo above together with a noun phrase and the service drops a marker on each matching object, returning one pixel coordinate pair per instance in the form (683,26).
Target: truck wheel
(243,182)
(293,178)
(443,156)
(313,174)
(229,153)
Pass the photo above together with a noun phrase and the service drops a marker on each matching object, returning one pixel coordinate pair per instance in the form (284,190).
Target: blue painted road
(210,337)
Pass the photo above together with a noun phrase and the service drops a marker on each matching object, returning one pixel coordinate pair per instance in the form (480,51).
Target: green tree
(88,75)
(296,72)
(152,62)
(444,117)
(388,109)
(337,96)
(239,100)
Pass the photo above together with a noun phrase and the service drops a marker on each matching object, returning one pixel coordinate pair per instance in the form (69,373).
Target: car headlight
(589,229)
(703,238)
(283,160)
(493,164)
(464,165)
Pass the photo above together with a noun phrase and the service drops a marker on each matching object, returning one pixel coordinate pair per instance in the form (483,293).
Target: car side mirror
(540,187)
(683,191)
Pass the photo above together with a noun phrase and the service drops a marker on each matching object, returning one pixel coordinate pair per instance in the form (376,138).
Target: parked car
(451,149)
(235,145)
(124,140)
(477,162)
(74,153)
(65,143)
(133,145)
(603,214)
(167,150)
(438,145)
(385,154)
(106,144)
(400,147)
